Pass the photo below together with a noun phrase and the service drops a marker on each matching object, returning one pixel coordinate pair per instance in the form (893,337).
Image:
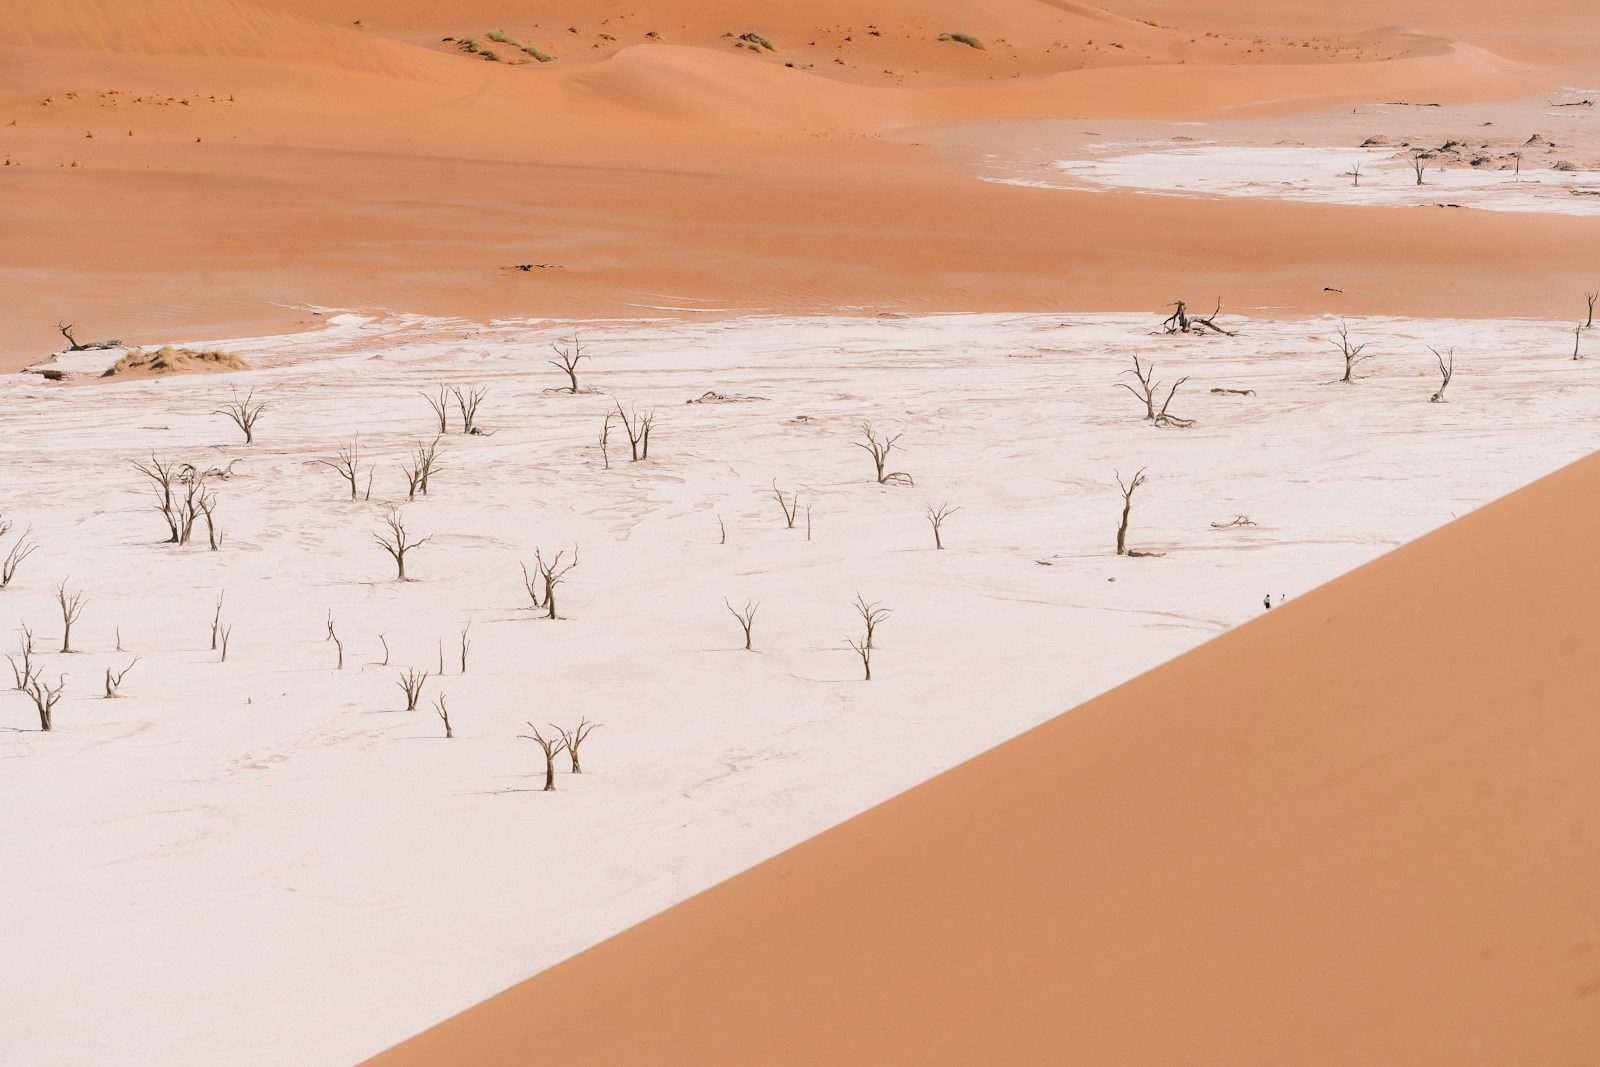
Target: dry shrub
(169,360)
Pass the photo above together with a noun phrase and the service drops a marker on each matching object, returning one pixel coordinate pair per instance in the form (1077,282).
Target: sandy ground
(272,858)
(213,166)
(1384,855)
(844,214)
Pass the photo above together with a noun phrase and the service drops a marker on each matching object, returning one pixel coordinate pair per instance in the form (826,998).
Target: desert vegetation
(169,360)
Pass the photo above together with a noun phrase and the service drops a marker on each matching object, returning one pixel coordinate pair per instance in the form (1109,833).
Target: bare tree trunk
(1128,489)
(746,617)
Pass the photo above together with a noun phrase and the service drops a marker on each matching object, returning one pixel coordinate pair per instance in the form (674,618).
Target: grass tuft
(963,38)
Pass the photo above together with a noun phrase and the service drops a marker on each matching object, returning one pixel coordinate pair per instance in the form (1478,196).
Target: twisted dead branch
(394,540)
(572,739)
(243,411)
(550,748)
(1447,370)
(567,359)
(746,617)
(936,517)
(411,683)
(1351,353)
(879,449)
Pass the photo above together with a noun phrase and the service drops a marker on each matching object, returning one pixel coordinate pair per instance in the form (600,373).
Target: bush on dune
(169,360)
(963,38)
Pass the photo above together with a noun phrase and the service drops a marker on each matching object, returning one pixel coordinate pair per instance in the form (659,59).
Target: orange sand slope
(188,168)
(1359,830)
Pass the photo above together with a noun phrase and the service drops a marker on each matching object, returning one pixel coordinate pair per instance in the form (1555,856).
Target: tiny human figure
(1266,601)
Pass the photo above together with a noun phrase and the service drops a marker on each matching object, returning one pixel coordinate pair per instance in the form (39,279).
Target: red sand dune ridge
(1358,830)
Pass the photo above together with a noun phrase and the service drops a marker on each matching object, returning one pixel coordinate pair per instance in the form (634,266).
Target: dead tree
(163,475)
(244,411)
(466,646)
(531,584)
(808,522)
(216,622)
(567,360)
(227,635)
(348,466)
(114,679)
(411,683)
(1577,341)
(1352,353)
(22,673)
(1355,174)
(722,529)
(572,739)
(936,517)
(550,748)
(746,617)
(1180,322)
(383,639)
(440,403)
(207,503)
(21,549)
(66,329)
(637,427)
(879,449)
(1146,392)
(467,401)
(394,540)
(1447,370)
(871,616)
(72,605)
(1591,298)
(1237,520)
(443,711)
(423,464)
(334,637)
(189,508)
(1128,489)
(441,659)
(1418,164)
(791,508)
(605,440)
(44,698)
(863,648)
(551,574)
(1164,418)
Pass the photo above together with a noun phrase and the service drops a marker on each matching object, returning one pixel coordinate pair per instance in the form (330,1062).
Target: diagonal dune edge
(1354,830)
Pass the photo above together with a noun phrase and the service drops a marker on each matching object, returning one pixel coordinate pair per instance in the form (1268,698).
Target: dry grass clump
(467,44)
(963,38)
(169,360)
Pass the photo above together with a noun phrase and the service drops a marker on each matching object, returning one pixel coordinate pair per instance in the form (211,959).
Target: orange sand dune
(1359,830)
(192,168)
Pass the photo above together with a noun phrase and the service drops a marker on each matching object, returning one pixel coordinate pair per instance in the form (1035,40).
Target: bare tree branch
(244,411)
(394,540)
(550,748)
(879,449)
(567,359)
(572,739)
(936,517)
(746,617)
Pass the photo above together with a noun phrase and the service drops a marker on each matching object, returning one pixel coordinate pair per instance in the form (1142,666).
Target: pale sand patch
(1324,175)
(277,864)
